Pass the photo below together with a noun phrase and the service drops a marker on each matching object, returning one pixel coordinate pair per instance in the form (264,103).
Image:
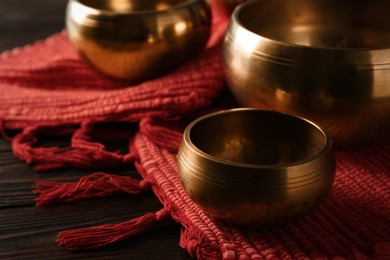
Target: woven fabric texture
(352,223)
(47,84)
(46,90)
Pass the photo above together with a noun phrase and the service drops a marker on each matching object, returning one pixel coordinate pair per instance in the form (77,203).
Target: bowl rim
(324,151)
(235,20)
(111,13)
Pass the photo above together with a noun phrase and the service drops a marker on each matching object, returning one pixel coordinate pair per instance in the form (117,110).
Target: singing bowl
(137,40)
(255,167)
(326,60)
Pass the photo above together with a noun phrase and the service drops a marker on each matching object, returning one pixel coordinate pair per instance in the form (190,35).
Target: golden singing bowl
(325,60)
(255,167)
(137,40)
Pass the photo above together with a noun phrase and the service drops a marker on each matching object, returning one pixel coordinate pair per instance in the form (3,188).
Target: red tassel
(82,153)
(94,237)
(95,185)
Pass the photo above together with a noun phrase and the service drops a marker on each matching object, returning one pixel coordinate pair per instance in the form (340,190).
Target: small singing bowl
(137,40)
(255,167)
(326,60)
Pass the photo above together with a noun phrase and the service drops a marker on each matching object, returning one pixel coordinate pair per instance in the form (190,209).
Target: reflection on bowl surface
(126,6)
(326,60)
(137,40)
(257,137)
(255,167)
(324,24)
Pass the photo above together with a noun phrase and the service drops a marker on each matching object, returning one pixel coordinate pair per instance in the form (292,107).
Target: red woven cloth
(353,222)
(46,90)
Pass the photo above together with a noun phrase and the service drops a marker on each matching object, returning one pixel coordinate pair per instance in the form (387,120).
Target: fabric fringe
(167,138)
(94,237)
(95,185)
(82,153)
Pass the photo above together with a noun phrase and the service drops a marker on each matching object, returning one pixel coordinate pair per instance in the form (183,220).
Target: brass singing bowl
(137,40)
(255,167)
(325,60)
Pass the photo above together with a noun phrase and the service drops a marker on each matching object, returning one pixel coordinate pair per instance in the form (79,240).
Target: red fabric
(47,84)
(25,101)
(353,223)
(45,90)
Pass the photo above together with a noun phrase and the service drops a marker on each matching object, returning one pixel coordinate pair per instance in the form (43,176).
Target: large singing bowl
(255,167)
(325,60)
(137,40)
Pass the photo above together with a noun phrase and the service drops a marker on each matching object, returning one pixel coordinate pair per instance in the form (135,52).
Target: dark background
(25,21)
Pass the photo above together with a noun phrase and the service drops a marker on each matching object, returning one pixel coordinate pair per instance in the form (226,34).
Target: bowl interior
(131,5)
(323,23)
(257,137)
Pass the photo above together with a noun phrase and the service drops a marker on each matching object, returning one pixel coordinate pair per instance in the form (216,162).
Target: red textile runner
(46,90)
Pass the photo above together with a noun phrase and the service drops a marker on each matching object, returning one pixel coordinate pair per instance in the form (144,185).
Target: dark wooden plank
(34,229)
(23,22)
(26,229)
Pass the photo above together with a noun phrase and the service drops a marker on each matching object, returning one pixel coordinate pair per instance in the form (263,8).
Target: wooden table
(29,232)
